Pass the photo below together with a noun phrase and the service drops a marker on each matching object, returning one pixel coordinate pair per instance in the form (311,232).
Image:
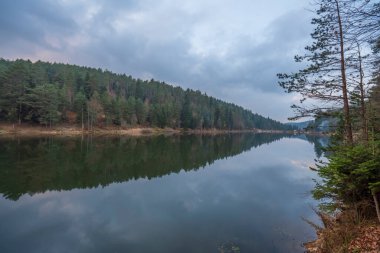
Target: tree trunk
(88,118)
(346,108)
(91,120)
(19,114)
(363,112)
(82,120)
(376,204)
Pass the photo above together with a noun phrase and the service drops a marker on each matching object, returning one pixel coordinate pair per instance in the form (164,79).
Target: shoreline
(7,129)
(73,130)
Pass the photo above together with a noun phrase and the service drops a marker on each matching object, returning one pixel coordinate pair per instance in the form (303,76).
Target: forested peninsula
(50,94)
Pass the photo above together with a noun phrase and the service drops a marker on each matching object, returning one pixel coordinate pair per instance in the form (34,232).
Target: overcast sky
(230,49)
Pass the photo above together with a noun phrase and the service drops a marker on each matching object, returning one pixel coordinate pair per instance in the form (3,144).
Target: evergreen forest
(53,93)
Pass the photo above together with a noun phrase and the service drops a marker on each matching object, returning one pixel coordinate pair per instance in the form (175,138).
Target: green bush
(349,175)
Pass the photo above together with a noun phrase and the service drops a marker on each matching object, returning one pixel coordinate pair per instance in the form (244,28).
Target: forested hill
(53,93)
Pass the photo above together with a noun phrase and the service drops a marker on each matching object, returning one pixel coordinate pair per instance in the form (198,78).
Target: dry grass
(75,130)
(350,231)
(72,130)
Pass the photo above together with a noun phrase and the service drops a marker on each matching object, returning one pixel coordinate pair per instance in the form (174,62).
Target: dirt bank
(68,130)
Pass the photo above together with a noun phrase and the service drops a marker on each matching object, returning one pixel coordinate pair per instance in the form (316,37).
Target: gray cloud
(229,50)
(25,23)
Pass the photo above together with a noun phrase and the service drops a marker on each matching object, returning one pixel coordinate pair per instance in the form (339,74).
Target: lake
(185,193)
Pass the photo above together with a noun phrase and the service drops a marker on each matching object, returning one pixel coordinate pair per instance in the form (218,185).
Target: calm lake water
(226,193)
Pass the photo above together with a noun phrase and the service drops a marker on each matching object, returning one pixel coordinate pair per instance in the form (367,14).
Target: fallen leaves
(368,240)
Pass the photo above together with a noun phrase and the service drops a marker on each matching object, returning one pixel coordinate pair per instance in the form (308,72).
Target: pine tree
(325,78)
(12,89)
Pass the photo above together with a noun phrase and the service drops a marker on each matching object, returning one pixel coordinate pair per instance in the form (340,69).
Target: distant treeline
(52,93)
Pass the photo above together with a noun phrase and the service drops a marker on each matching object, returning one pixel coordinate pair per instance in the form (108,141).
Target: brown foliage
(71,117)
(348,231)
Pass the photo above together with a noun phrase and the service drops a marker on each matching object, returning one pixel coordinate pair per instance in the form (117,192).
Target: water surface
(225,193)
